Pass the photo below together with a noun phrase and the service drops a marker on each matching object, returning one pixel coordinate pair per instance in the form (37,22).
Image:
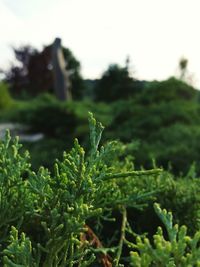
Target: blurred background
(133,63)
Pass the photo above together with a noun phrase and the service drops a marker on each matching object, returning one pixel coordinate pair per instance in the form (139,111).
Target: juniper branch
(110,176)
(122,237)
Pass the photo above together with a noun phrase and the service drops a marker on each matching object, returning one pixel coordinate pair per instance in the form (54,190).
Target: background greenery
(156,124)
(162,117)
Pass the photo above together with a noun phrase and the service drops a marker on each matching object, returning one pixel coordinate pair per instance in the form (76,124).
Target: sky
(155,34)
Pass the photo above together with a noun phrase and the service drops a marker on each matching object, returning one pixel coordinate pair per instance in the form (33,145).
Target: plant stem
(122,237)
(131,173)
(71,252)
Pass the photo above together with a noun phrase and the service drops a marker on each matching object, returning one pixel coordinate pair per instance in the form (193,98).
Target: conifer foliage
(45,218)
(178,249)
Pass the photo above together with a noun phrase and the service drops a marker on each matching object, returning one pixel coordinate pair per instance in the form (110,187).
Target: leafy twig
(122,237)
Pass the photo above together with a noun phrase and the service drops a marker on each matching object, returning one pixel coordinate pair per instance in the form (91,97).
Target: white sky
(154,33)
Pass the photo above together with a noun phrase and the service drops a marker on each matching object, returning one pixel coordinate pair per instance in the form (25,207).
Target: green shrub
(53,210)
(47,115)
(167,130)
(5,98)
(164,91)
(58,119)
(177,249)
(116,84)
(180,195)
(59,122)
(163,117)
(59,218)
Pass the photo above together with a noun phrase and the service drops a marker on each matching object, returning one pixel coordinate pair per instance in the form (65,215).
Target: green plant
(14,197)
(55,219)
(175,248)
(116,84)
(5,99)
(52,211)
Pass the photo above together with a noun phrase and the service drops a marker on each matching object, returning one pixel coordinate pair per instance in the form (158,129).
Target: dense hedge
(163,117)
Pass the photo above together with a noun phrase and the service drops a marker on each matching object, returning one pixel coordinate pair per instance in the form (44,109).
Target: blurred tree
(116,84)
(32,74)
(162,91)
(183,63)
(17,75)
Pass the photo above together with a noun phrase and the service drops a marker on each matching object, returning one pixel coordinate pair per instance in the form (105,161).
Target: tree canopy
(116,84)
(32,74)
